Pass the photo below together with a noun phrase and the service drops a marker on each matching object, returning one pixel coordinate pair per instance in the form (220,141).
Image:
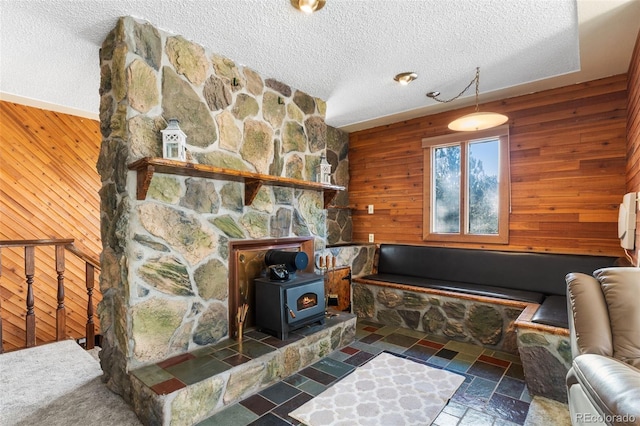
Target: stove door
(305,300)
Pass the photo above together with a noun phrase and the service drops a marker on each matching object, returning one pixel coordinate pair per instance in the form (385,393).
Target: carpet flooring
(58,384)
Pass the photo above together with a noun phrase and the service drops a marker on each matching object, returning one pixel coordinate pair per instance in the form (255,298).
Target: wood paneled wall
(633,131)
(568,162)
(48,189)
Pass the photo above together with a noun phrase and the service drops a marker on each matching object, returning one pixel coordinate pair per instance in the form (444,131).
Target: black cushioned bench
(528,277)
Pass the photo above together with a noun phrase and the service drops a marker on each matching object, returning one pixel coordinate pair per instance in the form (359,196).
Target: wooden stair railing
(29,270)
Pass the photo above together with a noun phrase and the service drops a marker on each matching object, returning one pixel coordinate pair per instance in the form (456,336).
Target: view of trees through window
(447,185)
(480,185)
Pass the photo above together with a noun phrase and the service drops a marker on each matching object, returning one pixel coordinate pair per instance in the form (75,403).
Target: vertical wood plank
(61,312)
(29,270)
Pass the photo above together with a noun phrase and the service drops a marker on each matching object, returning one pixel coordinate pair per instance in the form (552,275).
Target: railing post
(29,271)
(61,312)
(91,328)
(60,245)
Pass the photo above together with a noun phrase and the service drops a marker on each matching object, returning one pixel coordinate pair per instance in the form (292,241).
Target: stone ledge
(453,294)
(161,398)
(481,320)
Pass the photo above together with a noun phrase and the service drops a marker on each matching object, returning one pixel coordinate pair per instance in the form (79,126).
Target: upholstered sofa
(603,384)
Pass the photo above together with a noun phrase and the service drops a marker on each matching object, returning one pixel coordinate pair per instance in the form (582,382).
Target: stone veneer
(184,405)
(339,225)
(359,257)
(486,324)
(164,275)
(546,356)
(546,359)
(505,325)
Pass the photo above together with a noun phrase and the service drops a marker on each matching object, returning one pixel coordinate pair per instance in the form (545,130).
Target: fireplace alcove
(246,262)
(191,387)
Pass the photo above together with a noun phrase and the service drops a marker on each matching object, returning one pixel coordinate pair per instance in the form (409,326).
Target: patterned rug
(386,391)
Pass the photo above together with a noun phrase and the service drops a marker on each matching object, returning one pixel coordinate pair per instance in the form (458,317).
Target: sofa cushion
(535,272)
(552,311)
(612,385)
(460,287)
(621,287)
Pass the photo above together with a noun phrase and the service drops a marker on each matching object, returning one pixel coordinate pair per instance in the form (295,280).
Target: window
(466,181)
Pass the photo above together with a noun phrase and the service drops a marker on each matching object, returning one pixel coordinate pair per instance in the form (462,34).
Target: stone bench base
(545,352)
(161,399)
(480,320)
(493,323)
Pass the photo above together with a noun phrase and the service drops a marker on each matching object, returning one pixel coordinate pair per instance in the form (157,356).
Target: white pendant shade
(477,121)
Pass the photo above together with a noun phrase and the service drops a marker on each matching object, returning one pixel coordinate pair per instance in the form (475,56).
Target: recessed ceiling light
(405,78)
(308,6)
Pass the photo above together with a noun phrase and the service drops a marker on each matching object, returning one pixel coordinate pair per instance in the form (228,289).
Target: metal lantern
(324,171)
(174,142)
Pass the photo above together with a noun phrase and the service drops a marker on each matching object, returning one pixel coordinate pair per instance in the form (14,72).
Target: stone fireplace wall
(339,229)
(165,259)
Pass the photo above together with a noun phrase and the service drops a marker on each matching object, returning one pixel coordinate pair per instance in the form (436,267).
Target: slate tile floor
(493,393)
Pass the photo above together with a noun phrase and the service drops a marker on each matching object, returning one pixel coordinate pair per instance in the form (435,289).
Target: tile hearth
(193,386)
(493,393)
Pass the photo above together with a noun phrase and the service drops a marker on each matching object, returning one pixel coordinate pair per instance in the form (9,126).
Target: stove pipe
(293,260)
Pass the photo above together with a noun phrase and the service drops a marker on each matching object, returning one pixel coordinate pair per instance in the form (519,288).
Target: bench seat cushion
(461,287)
(553,311)
(537,272)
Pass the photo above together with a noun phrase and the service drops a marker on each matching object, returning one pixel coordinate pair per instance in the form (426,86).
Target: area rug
(58,384)
(386,391)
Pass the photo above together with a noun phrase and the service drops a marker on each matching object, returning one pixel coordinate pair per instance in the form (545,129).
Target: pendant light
(476,120)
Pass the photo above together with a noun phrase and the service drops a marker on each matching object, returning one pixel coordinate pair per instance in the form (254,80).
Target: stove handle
(293,315)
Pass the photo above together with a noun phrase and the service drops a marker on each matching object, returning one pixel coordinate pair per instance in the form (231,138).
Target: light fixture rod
(476,80)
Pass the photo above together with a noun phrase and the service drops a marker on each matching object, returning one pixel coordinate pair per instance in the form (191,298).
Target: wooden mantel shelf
(146,167)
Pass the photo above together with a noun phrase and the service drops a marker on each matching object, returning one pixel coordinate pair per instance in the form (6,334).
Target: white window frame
(504,186)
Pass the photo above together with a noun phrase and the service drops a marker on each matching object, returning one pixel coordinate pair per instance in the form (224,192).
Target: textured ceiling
(347,53)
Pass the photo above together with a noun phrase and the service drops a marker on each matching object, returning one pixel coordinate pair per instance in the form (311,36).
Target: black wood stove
(287,303)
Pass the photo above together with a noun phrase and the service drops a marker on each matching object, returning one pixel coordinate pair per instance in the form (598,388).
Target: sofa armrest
(590,325)
(612,386)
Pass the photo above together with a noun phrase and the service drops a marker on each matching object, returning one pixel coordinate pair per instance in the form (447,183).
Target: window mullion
(432,201)
(464,189)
